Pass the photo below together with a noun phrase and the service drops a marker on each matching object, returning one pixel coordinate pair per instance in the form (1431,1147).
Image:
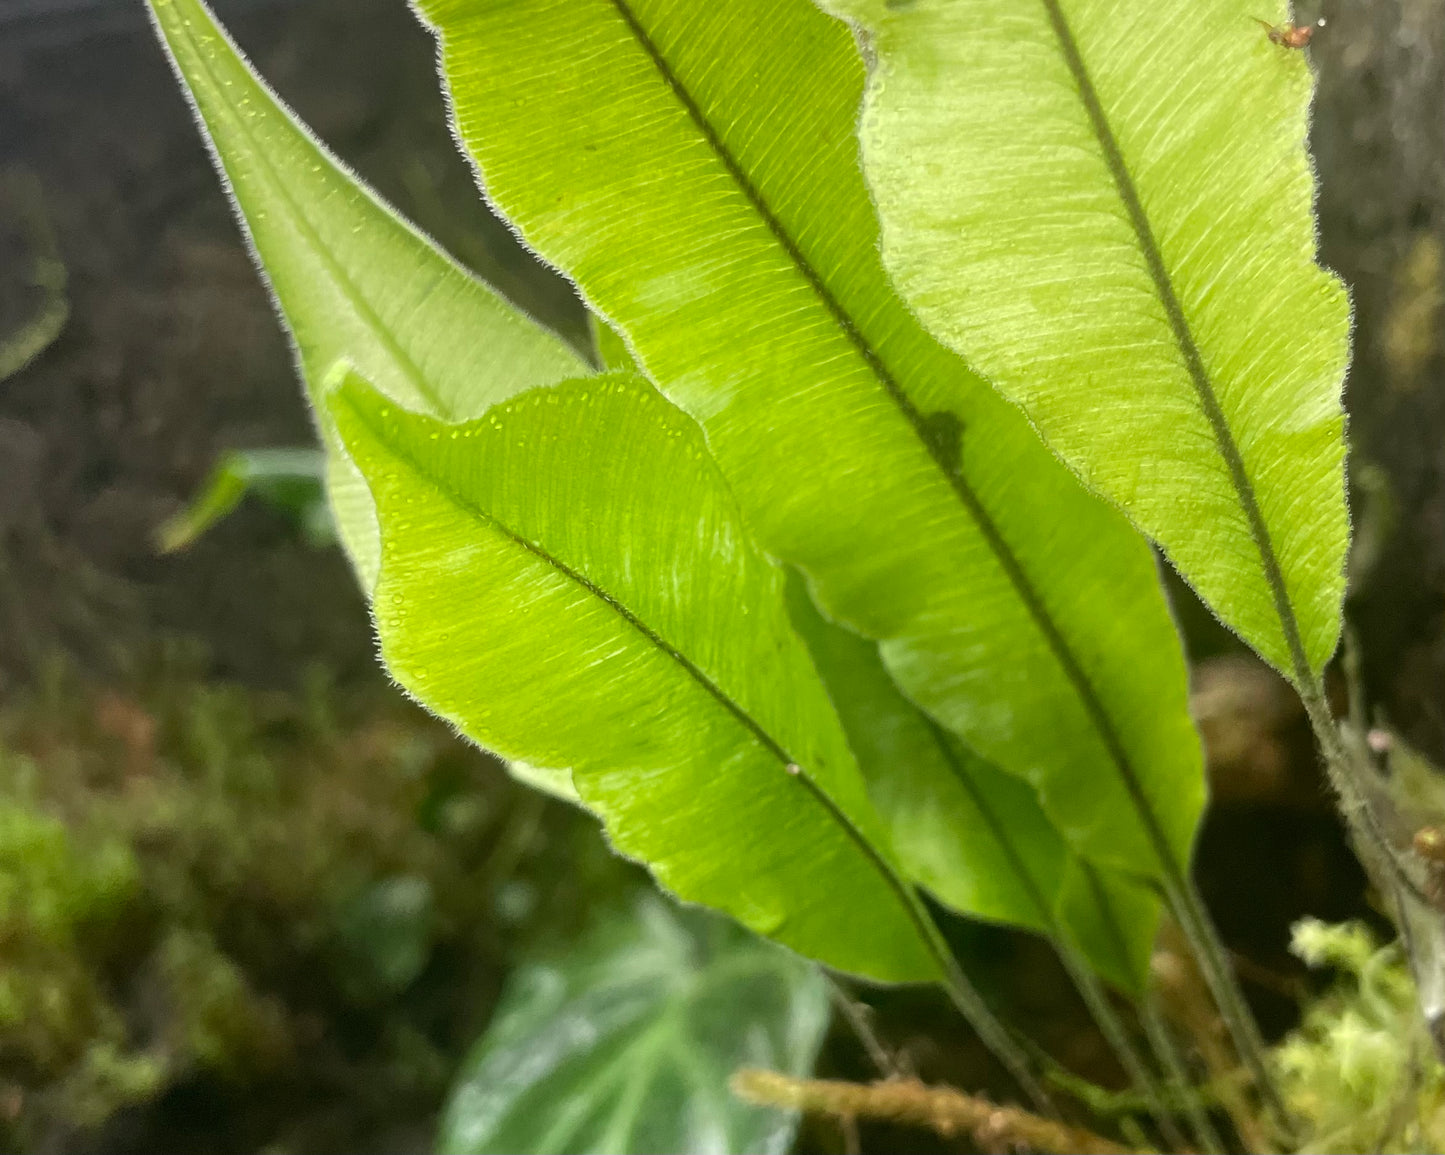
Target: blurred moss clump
(272,920)
(1360,1072)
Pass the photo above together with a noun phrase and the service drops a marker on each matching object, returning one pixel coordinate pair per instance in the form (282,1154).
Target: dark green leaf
(626,1042)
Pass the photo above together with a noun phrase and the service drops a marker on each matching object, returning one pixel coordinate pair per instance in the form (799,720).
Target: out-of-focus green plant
(1361,1071)
(204,885)
(625,1039)
(35,270)
(291,480)
(58,894)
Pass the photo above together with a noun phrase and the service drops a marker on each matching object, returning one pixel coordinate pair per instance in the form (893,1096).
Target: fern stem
(1337,760)
(1209,954)
(1075,964)
(1166,1046)
(990,1030)
(1116,1034)
(856,1016)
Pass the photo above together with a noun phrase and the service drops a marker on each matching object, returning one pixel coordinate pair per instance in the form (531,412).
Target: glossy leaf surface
(1107,207)
(352,279)
(569,581)
(694,168)
(625,1044)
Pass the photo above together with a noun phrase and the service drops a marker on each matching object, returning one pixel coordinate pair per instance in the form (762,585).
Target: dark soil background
(172,354)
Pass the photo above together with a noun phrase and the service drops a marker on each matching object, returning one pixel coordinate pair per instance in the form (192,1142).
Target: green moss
(107,1078)
(1360,1072)
(55,893)
(290,901)
(220,1022)
(49,885)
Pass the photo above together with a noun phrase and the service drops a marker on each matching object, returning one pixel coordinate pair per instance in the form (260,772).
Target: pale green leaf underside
(694,168)
(1106,205)
(352,279)
(624,1045)
(973,835)
(568,581)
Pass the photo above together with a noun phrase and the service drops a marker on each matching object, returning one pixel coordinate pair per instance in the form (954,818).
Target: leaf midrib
(1184,338)
(1048,915)
(666,1028)
(995,825)
(1107,912)
(901,890)
(1013,569)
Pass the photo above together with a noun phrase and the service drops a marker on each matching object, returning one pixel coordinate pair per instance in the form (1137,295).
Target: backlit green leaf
(625,1044)
(612,351)
(352,279)
(973,835)
(557,783)
(694,168)
(1106,206)
(569,581)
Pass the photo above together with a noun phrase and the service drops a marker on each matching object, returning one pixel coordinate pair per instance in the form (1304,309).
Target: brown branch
(941,1109)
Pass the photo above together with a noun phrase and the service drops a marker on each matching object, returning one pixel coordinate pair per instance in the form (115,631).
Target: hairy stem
(944,1110)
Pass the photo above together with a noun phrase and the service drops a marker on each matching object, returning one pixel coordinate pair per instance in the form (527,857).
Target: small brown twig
(946,1111)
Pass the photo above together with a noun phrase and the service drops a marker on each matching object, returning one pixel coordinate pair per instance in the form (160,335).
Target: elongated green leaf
(693,168)
(1107,208)
(976,840)
(1112,922)
(352,279)
(291,479)
(36,268)
(625,1044)
(568,580)
(973,835)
